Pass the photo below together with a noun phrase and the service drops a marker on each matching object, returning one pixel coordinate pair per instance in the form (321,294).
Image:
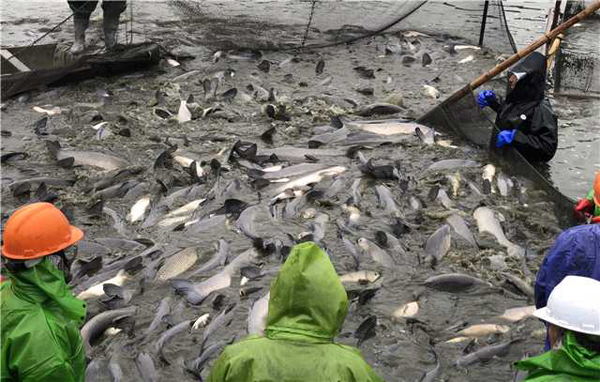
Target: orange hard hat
(597,189)
(37,230)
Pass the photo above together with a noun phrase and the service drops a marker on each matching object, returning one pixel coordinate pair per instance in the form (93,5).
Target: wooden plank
(8,56)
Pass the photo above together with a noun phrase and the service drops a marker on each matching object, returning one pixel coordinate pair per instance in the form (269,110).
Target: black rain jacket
(528,111)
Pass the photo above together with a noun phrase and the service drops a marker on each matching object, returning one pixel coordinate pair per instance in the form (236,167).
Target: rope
(310,18)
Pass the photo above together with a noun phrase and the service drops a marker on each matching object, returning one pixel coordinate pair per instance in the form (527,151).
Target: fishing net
(273,25)
(577,68)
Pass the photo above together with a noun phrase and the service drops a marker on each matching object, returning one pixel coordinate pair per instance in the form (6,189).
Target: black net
(317,24)
(577,67)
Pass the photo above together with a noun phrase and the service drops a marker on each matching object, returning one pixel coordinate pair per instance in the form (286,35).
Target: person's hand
(485,97)
(505,137)
(583,208)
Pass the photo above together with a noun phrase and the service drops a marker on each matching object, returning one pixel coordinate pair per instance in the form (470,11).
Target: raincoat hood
(308,302)
(45,283)
(531,83)
(572,361)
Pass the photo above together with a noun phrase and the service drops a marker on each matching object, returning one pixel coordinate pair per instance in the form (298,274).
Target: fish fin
(53,148)
(187,290)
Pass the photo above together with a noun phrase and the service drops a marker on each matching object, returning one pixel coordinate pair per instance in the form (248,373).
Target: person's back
(307,308)
(39,314)
(573,319)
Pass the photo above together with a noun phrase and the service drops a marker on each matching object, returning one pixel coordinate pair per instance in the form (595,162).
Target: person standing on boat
(526,119)
(588,208)
(82,10)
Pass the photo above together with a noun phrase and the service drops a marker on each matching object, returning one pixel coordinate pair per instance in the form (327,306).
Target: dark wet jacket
(307,308)
(576,252)
(537,135)
(40,327)
(569,363)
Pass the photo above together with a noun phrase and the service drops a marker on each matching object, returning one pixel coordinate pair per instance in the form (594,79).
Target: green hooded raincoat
(307,308)
(570,363)
(40,327)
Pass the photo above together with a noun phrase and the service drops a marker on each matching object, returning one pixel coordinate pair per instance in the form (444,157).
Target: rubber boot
(111,25)
(81,22)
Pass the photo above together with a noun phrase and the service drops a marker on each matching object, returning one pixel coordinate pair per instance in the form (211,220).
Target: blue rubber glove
(505,137)
(485,97)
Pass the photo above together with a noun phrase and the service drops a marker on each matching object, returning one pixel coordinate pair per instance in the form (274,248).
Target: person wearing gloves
(576,252)
(40,316)
(307,307)
(588,209)
(82,10)
(573,319)
(526,119)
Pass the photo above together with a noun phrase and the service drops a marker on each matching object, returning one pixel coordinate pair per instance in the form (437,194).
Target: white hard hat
(574,304)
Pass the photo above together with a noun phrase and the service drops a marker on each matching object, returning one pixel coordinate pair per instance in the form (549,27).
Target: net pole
(483,22)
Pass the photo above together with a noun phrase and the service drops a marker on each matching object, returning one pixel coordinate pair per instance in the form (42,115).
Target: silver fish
(100,322)
(432,374)
(486,353)
(220,259)
(459,226)
(377,254)
(487,222)
(223,319)
(177,264)
(170,333)
(451,164)
(439,243)
(163,310)
(454,282)
(386,200)
(146,368)
(257,318)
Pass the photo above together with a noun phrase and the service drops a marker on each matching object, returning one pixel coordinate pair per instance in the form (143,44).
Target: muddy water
(399,351)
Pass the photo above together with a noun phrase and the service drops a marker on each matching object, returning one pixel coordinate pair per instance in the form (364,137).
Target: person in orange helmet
(40,315)
(588,209)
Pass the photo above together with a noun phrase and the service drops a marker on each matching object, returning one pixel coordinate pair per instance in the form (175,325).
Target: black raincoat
(528,111)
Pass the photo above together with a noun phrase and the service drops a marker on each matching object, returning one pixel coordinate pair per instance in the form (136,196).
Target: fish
(427,136)
(504,184)
(139,209)
(517,314)
(521,285)
(172,62)
(430,91)
(487,222)
(184,114)
(481,330)
(378,109)
(223,253)
(115,369)
(170,333)
(431,375)
(444,199)
(387,127)
(86,158)
(49,112)
(311,178)
(257,317)
(451,164)
(208,353)
(245,223)
(469,58)
(454,180)
(415,202)
(195,293)
(426,59)
(100,322)
(118,222)
(186,209)
(223,319)
(386,201)
(463,47)
(439,243)
(177,264)
(92,371)
(146,368)
(162,310)
(454,282)
(377,254)
(197,225)
(320,66)
(459,226)
(360,277)
(486,353)
(366,330)
(98,289)
(410,309)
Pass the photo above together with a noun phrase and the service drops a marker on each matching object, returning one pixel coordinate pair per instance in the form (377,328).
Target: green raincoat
(40,327)
(307,308)
(570,363)
(590,197)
